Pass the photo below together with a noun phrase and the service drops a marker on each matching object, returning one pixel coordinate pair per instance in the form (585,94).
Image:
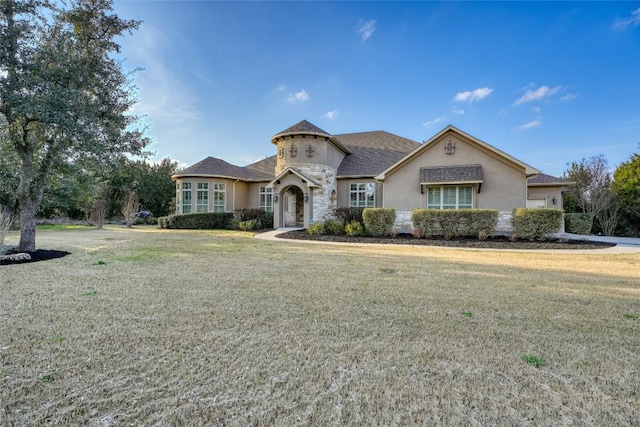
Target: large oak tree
(63,94)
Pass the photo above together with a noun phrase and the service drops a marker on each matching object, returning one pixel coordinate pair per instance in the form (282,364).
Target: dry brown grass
(165,327)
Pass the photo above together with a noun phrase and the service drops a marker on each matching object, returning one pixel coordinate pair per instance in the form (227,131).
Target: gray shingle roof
(302,127)
(542,179)
(463,173)
(372,152)
(212,166)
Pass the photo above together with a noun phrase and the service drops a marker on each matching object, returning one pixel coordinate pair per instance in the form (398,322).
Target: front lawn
(145,326)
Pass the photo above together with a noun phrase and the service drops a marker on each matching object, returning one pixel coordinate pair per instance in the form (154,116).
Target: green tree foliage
(592,193)
(63,95)
(626,185)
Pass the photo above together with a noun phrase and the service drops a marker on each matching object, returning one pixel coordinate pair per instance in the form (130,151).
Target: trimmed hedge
(265,218)
(578,223)
(347,215)
(451,223)
(197,221)
(379,221)
(537,223)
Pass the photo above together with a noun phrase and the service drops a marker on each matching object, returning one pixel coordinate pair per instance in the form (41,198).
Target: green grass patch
(632,316)
(533,360)
(63,227)
(48,377)
(55,339)
(467,314)
(140,254)
(90,293)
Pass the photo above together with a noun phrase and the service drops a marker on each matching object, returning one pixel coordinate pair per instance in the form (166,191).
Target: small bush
(265,218)
(197,221)
(249,225)
(354,228)
(480,223)
(347,215)
(334,226)
(316,229)
(379,221)
(537,223)
(425,223)
(150,220)
(577,223)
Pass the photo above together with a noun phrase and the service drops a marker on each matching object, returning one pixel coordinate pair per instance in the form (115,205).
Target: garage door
(537,203)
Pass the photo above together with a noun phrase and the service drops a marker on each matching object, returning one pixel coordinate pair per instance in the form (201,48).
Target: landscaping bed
(496,242)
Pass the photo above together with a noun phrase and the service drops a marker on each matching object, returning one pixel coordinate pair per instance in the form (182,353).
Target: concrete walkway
(624,245)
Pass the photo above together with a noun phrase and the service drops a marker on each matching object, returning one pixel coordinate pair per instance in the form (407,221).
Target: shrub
(577,223)
(150,220)
(249,225)
(379,221)
(480,223)
(198,221)
(425,223)
(347,215)
(354,228)
(316,229)
(334,226)
(536,224)
(265,218)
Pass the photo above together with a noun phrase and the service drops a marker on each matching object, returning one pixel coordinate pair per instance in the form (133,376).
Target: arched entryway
(292,207)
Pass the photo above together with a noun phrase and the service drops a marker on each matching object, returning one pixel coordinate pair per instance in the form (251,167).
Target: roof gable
(529,170)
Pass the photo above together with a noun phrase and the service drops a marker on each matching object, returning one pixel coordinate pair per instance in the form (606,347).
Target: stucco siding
(504,183)
(547,193)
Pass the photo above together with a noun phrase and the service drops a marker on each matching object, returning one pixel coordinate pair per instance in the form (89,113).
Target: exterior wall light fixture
(306,197)
(554,200)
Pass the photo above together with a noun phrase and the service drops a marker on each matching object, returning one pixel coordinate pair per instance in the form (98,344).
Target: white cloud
(458,111)
(623,23)
(472,95)
(331,114)
(162,96)
(530,125)
(568,97)
(433,122)
(298,96)
(367,29)
(537,94)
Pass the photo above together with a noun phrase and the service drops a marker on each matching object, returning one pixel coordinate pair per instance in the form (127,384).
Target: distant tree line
(610,201)
(75,190)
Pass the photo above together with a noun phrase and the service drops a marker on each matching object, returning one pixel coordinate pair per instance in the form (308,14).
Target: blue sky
(548,83)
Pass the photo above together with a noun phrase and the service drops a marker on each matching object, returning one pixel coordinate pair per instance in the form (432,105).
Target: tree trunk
(27,225)
(28,200)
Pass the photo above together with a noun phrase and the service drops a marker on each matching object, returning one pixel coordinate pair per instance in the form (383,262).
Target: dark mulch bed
(497,242)
(38,255)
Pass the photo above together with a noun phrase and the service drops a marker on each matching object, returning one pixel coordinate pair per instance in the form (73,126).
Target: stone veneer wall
(326,177)
(404,224)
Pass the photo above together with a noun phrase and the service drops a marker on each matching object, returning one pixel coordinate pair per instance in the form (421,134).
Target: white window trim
(219,188)
(267,192)
(362,201)
(441,204)
(186,190)
(202,204)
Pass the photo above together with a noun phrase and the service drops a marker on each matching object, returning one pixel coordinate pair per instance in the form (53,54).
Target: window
(266,199)
(362,195)
(202,197)
(219,197)
(186,197)
(450,197)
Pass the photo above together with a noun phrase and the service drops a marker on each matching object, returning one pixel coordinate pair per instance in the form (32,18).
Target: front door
(293,206)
